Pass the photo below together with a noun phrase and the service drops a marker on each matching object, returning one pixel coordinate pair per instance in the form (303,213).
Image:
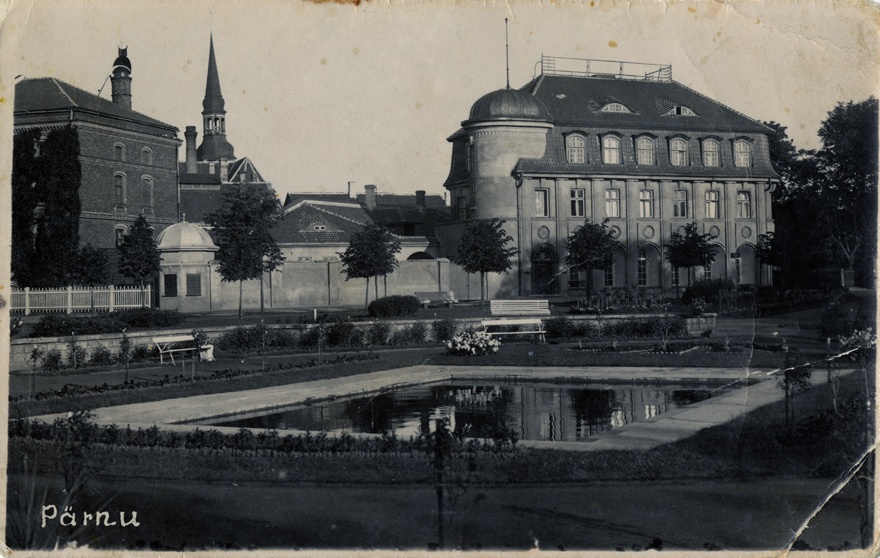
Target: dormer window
(710,153)
(615,107)
(678,156)
(742,153)
(611,150)
(575,148)
(319,227)
(681,110)
(645,151)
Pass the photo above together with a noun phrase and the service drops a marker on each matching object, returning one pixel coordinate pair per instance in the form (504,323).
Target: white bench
(535,326)
(519,307)
(168,345)
(440,297)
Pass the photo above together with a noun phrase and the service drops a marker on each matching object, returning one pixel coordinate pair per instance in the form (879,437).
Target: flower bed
(473,343)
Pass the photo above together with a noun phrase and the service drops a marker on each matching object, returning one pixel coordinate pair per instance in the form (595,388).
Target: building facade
(128,160)
(632,147)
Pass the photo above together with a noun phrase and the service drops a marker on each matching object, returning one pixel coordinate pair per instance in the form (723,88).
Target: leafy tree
(847,190)
(370,253)
(139,256)
(46,207)
(591,247)
(767,251)
(242,227)
(91,267)
(688,248)
(483,249)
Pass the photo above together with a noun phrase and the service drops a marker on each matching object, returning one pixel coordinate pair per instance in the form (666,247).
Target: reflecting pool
(533,411)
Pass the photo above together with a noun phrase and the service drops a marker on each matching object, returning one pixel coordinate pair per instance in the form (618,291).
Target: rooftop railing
(613,69)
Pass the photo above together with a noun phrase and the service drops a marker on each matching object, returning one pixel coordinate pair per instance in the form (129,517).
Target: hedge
(115,322)
(394,306)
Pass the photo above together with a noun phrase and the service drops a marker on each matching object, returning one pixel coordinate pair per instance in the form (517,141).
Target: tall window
(608,276)
(193,284)
(147,191)
(744,205)
(612,203)
(119,235)
(542,203)
(707,272)
(146,156)
(119,189)
(462,208)
(680,203)
(611,150)
(678,155)
(118,152)
(645,151)
(742,154)
(646,203)
(170,283)
(575,149)
(642,268)
(738,269)
(578,202)
(712,204)
(710,153)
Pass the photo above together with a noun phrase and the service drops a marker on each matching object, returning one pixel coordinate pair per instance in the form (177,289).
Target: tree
(688,248)
(767,251)
(91,267)
(591,247)
(370,253)
(139,256)
(847,189)
(46,207)
(242,227)
(483,249)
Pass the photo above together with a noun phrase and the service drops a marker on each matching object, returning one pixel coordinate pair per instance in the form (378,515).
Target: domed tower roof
(509,104)
(122,61)
(185,237)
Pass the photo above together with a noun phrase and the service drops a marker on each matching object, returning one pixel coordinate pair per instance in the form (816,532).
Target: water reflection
(532,411)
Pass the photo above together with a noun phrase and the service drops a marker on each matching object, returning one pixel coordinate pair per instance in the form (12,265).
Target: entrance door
(544,278)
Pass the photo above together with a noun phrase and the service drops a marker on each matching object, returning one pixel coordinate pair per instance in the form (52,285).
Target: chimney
(120,79)
(420,200)
(370,196)
(190,135)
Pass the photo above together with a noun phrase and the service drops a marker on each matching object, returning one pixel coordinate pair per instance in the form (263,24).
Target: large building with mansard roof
(623,142)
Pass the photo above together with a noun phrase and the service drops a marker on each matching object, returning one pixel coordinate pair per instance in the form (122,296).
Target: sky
(320,95)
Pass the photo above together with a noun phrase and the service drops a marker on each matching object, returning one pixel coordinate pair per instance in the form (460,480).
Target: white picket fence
(78,299)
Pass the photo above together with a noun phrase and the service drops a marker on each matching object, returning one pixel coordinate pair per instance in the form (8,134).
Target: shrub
(101,357)
(378,334)
(444,330)
(473,343)
(141,353)
(62,326)
(310,338)
(708,289)
(343,333)
(52,361)
(414,334)
(76,355)
(149,317)
(394,306)
(252,339)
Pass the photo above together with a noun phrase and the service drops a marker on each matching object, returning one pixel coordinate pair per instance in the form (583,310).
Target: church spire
(214,146)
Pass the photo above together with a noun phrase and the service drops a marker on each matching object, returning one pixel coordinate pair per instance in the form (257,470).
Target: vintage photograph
(438,276)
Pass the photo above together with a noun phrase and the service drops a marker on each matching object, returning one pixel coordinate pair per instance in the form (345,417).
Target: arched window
(119,194)
(742,153)
(119,151)
(678,155)
(118,235)
(611,150)
(645,151)
(615,107)
(147,191)
(146,156)
(575,148)
(710,153)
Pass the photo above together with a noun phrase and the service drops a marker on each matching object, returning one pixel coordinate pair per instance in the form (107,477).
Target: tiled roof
(405,200)
(296,197)
(339,224)
(578,101)
(51,94)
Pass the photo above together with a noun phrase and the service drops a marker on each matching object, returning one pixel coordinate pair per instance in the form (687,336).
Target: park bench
(519,307)
(525,326)
(437,297)
(170,344)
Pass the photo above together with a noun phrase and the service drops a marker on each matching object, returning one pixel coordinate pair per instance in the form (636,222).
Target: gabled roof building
(628,145)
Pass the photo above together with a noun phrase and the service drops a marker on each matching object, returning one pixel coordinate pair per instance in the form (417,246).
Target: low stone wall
(701,324)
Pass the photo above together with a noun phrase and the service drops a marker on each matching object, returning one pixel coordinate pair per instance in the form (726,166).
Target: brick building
(623,142)
(128,160)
